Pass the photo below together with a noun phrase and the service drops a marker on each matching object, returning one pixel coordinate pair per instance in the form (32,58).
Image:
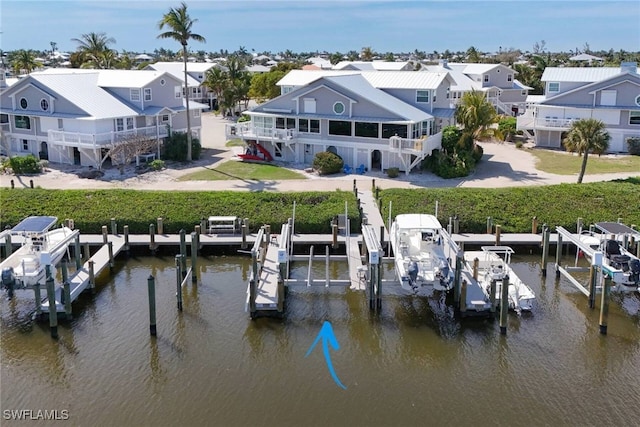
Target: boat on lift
(418,242)
(619,263)
(42,245)
(494,266)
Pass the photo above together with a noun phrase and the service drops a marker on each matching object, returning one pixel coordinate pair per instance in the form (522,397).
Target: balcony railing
(529,122)
(424,145)
(248,131)
(90,139)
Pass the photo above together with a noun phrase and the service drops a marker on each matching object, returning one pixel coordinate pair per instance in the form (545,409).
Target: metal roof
(371,65)
(578,74)
(35,224)
(361,86)
(378,79)
(128,78)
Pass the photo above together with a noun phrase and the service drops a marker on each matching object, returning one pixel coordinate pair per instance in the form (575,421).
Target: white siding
(609,117)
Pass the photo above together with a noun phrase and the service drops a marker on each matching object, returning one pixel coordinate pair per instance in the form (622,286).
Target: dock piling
(67,298)
(463,296)
(183,252)
(92,277)
(151,286)
(160,222)
(114,227)
(604,305)
(489,225)
(152,238)
(456,224)
(456,281)
(545,249)
(498,234)
(504,305)
(179,280)
(334,232)
(86,254)
(558,255)
(111,260)
(593,280)
(534,225)
(309,279)
(194,256)
(579,226)
(326,267)
(243,229)
(105,234)
(252,298)
(77,253)
(126,238)
(65,272)
(51,298)
(476,264)
(492,296)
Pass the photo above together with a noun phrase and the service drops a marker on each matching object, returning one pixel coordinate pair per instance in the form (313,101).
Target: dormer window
(134,95)
(147,94)
(509,77)
(554,87)
(422,96)
(23,103)
(338,107)
(44,104)
(486,78)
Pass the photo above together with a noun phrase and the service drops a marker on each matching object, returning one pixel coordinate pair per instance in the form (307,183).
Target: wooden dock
(80,280)
(267,286)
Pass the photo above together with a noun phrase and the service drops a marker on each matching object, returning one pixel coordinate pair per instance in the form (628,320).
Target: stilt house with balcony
(609,94)
(374,120)
(74,116)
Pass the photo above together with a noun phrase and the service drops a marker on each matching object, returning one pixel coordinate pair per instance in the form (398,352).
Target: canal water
(413,364)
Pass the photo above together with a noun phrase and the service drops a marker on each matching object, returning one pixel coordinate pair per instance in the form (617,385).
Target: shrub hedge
(327,163)
(25,164)
(514,208)
(91,209)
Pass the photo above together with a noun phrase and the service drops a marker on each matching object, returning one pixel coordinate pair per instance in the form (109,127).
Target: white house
(609,94)
(72,115)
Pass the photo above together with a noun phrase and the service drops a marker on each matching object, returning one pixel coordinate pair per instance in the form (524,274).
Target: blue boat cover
(35,224)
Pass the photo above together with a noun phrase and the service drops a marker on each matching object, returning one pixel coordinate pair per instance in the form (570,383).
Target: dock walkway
(267,286)
(79,281)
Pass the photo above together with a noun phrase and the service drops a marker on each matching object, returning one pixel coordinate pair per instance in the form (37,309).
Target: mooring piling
(114,227)
(92,276)
(8,248)
(38,298)
(152,238)
(498,234)
(243,229)
(126,238)
(151,286)
(504,305)
(65,272)
(463,296)
(183,252)
(593,280)
(105,234)
(160,222)
(179,280)
(67,298)
(558,255)
(86,254)
(51,298)
(545,249)
(194,256)
(534,225)
(604,305)
(492,297)
(489,225)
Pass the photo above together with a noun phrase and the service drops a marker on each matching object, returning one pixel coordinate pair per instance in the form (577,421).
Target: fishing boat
(618,263)
(494,266)
(418,242)
(42,245)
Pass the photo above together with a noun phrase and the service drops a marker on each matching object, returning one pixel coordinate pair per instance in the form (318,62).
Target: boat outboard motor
(634,268)
(8,281)
(413,273)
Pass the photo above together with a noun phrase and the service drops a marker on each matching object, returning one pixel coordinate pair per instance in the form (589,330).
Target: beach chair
(361,169)
(347,169)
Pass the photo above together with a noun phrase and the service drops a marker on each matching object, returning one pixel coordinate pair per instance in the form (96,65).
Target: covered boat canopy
(417,221)
(616,228)
(34,224)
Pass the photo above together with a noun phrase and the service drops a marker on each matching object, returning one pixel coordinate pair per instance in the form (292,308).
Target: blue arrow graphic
(328,337)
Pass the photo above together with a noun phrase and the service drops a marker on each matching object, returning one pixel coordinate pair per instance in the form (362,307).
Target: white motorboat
(41,246)
(618,263)
(418,242)
(494,265)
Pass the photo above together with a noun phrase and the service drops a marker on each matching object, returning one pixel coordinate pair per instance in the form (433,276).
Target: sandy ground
(503,166)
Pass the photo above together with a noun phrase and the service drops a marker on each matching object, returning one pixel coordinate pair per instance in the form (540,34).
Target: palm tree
(23,60)
(92,46)
(473,55)
(367,54)
(216,81)
(585,136)
(475,113)
(179,23)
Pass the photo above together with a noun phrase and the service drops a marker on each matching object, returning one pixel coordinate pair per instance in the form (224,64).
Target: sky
(333,26)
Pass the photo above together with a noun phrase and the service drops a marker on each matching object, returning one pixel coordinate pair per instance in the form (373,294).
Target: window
(44,104)
(162,82)
(178,92)
(164,118)
(25,145)
(278,152)
(309,125)
(4,118)
(434,96)
(339,127)
(485,78)
(119,125)
(285,123)
(554,87)
(147,94)
(23,103)
(634,117)
(422,96)
(509,77)
(638,100)
(60,124)
(129,123)
(22,122)
(134,95)
(390,129)
(367,130)
(338,108)
(448,93)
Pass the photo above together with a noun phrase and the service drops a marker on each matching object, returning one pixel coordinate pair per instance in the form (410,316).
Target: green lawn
(563,163)
(233,169)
